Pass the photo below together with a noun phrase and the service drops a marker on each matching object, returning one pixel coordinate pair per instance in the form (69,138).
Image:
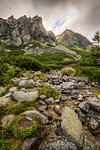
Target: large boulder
(72,127)
(28,96)
(94,103)
(34,114)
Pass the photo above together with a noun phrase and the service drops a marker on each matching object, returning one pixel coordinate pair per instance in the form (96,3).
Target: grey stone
(57,109)
(22,96)
(16,81)
(94,103)
(94,126)
(84,106)
(64,98)
(13,89)
(34,114)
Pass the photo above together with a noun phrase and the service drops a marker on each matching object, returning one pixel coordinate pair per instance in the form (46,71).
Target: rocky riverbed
(69,121)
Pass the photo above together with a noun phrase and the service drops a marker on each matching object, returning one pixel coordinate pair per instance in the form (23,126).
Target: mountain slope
(23,30)
(73,39)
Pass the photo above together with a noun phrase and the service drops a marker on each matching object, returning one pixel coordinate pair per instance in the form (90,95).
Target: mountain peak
(23,30)
(73,39)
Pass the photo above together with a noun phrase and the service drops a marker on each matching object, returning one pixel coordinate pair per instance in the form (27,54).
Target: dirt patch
(23,122)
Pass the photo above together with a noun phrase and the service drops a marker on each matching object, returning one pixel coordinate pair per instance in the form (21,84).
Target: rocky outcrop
(23,30)
(73,39)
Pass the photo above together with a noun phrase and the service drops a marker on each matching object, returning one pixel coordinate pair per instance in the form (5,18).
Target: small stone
(64,98)
(57,109)
(5,102)
(84,106)
(13,89)
(42,97)
(74,97)
(94,126)
(51,100)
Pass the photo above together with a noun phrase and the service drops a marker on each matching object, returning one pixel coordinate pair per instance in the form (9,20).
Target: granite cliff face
(73,39)
(24,30)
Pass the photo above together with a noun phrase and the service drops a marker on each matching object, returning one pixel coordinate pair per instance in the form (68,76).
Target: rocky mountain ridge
(23,30)
(74,40)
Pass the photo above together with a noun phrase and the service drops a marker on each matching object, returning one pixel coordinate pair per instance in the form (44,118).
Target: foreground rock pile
(71,122)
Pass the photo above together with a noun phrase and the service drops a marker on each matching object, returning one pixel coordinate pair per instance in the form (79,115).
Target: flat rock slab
(28,96)
(94,103)
(72,127)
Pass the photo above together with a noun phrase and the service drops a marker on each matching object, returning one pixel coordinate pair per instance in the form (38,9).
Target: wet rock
(34,114)
(7,120)
(72,127)
(2,91)
(5,102)
(84,106)
(94,126)
(22,96)
(26,83)
(57,144)
(94,103)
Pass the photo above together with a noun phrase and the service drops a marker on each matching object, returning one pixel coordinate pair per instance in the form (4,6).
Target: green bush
(7,72)
(48,91)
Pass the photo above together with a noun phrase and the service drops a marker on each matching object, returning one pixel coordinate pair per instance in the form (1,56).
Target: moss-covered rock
(72,126)
(34,114)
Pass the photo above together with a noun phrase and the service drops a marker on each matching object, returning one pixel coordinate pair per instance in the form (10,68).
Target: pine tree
(96,37)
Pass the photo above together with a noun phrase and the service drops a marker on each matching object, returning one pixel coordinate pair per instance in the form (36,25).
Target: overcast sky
(81,16)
